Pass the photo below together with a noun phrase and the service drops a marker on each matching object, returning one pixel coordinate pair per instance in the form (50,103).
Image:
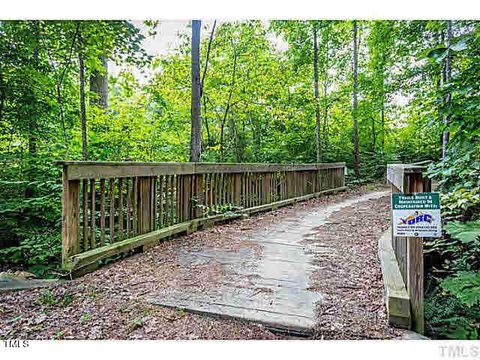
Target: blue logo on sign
(416,218)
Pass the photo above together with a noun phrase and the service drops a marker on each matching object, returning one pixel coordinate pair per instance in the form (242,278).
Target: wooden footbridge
(113,208)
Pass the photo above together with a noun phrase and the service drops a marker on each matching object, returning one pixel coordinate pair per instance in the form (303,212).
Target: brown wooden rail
(114,207)
(407,179)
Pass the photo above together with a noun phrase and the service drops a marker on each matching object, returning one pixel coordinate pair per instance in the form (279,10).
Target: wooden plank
(70,217)
(129,208)
(160,200)
(172,199)
(198,193)
(396,297)
(167,189)
(111,191)
(85,214)
(237,192)
(97,170)
(120,209)
(415,266)
(92,214)
(152,205)
(399,244)
(94,255)
(135,205)
(102,212)
(143,205)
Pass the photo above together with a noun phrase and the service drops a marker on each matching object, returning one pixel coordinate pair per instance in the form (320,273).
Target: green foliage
(48,299)
(466,232)
(465,285)
(448,318)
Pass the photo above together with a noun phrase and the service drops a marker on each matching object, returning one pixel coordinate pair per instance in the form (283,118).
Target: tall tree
(354,100)
(83,111)
(317,95)
(196,129)
(448,97)
(99,84)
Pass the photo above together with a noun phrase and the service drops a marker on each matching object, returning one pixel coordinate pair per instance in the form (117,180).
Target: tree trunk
(355,106)
(448,98)
(325,95)
(83,115)
(207,57)
(196,130)
(317,95)
(227,108)
(99,85)
(374,137)
(382,115)
(32,138)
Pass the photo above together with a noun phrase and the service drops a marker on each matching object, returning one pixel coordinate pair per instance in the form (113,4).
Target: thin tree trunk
(382,115)
(374,137)
(83,115)
(355,105)
(196,129)
(227,109)
(205,121)
(317,95)
(448,98)
(32,138)
(99,85)
(325,94)
(207,57)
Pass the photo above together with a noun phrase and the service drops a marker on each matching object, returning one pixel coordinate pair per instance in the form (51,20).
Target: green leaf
(466,232)
(465,286)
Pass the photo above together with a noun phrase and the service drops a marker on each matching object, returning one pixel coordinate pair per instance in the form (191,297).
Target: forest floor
(111,303)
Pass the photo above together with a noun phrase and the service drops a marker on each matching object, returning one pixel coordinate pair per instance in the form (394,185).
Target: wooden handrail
(106,203)
(78,170)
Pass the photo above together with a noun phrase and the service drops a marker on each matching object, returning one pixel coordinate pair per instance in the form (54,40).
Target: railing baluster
(172,200)
(102,212)
(92,214)
(129,207)
(160,201)
(120,209)
(85,214)
(111,191)
(167,188)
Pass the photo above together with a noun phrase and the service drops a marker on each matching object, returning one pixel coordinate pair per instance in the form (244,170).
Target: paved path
(269,286)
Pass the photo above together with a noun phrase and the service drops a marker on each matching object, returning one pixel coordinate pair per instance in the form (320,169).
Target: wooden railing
(110,208)
(408,179)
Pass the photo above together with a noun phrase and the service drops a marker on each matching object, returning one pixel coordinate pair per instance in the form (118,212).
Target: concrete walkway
(266,283)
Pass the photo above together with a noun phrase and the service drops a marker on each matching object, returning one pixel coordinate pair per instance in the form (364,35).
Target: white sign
(416,215)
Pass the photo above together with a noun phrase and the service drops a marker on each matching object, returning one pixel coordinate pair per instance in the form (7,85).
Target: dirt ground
(350,276)
(110,303)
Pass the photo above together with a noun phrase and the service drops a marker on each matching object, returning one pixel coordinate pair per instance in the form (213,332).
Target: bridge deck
(269,279)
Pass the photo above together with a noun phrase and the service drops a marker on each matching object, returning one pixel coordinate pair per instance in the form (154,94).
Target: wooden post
(415,268)
(70,216)
(143,205)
